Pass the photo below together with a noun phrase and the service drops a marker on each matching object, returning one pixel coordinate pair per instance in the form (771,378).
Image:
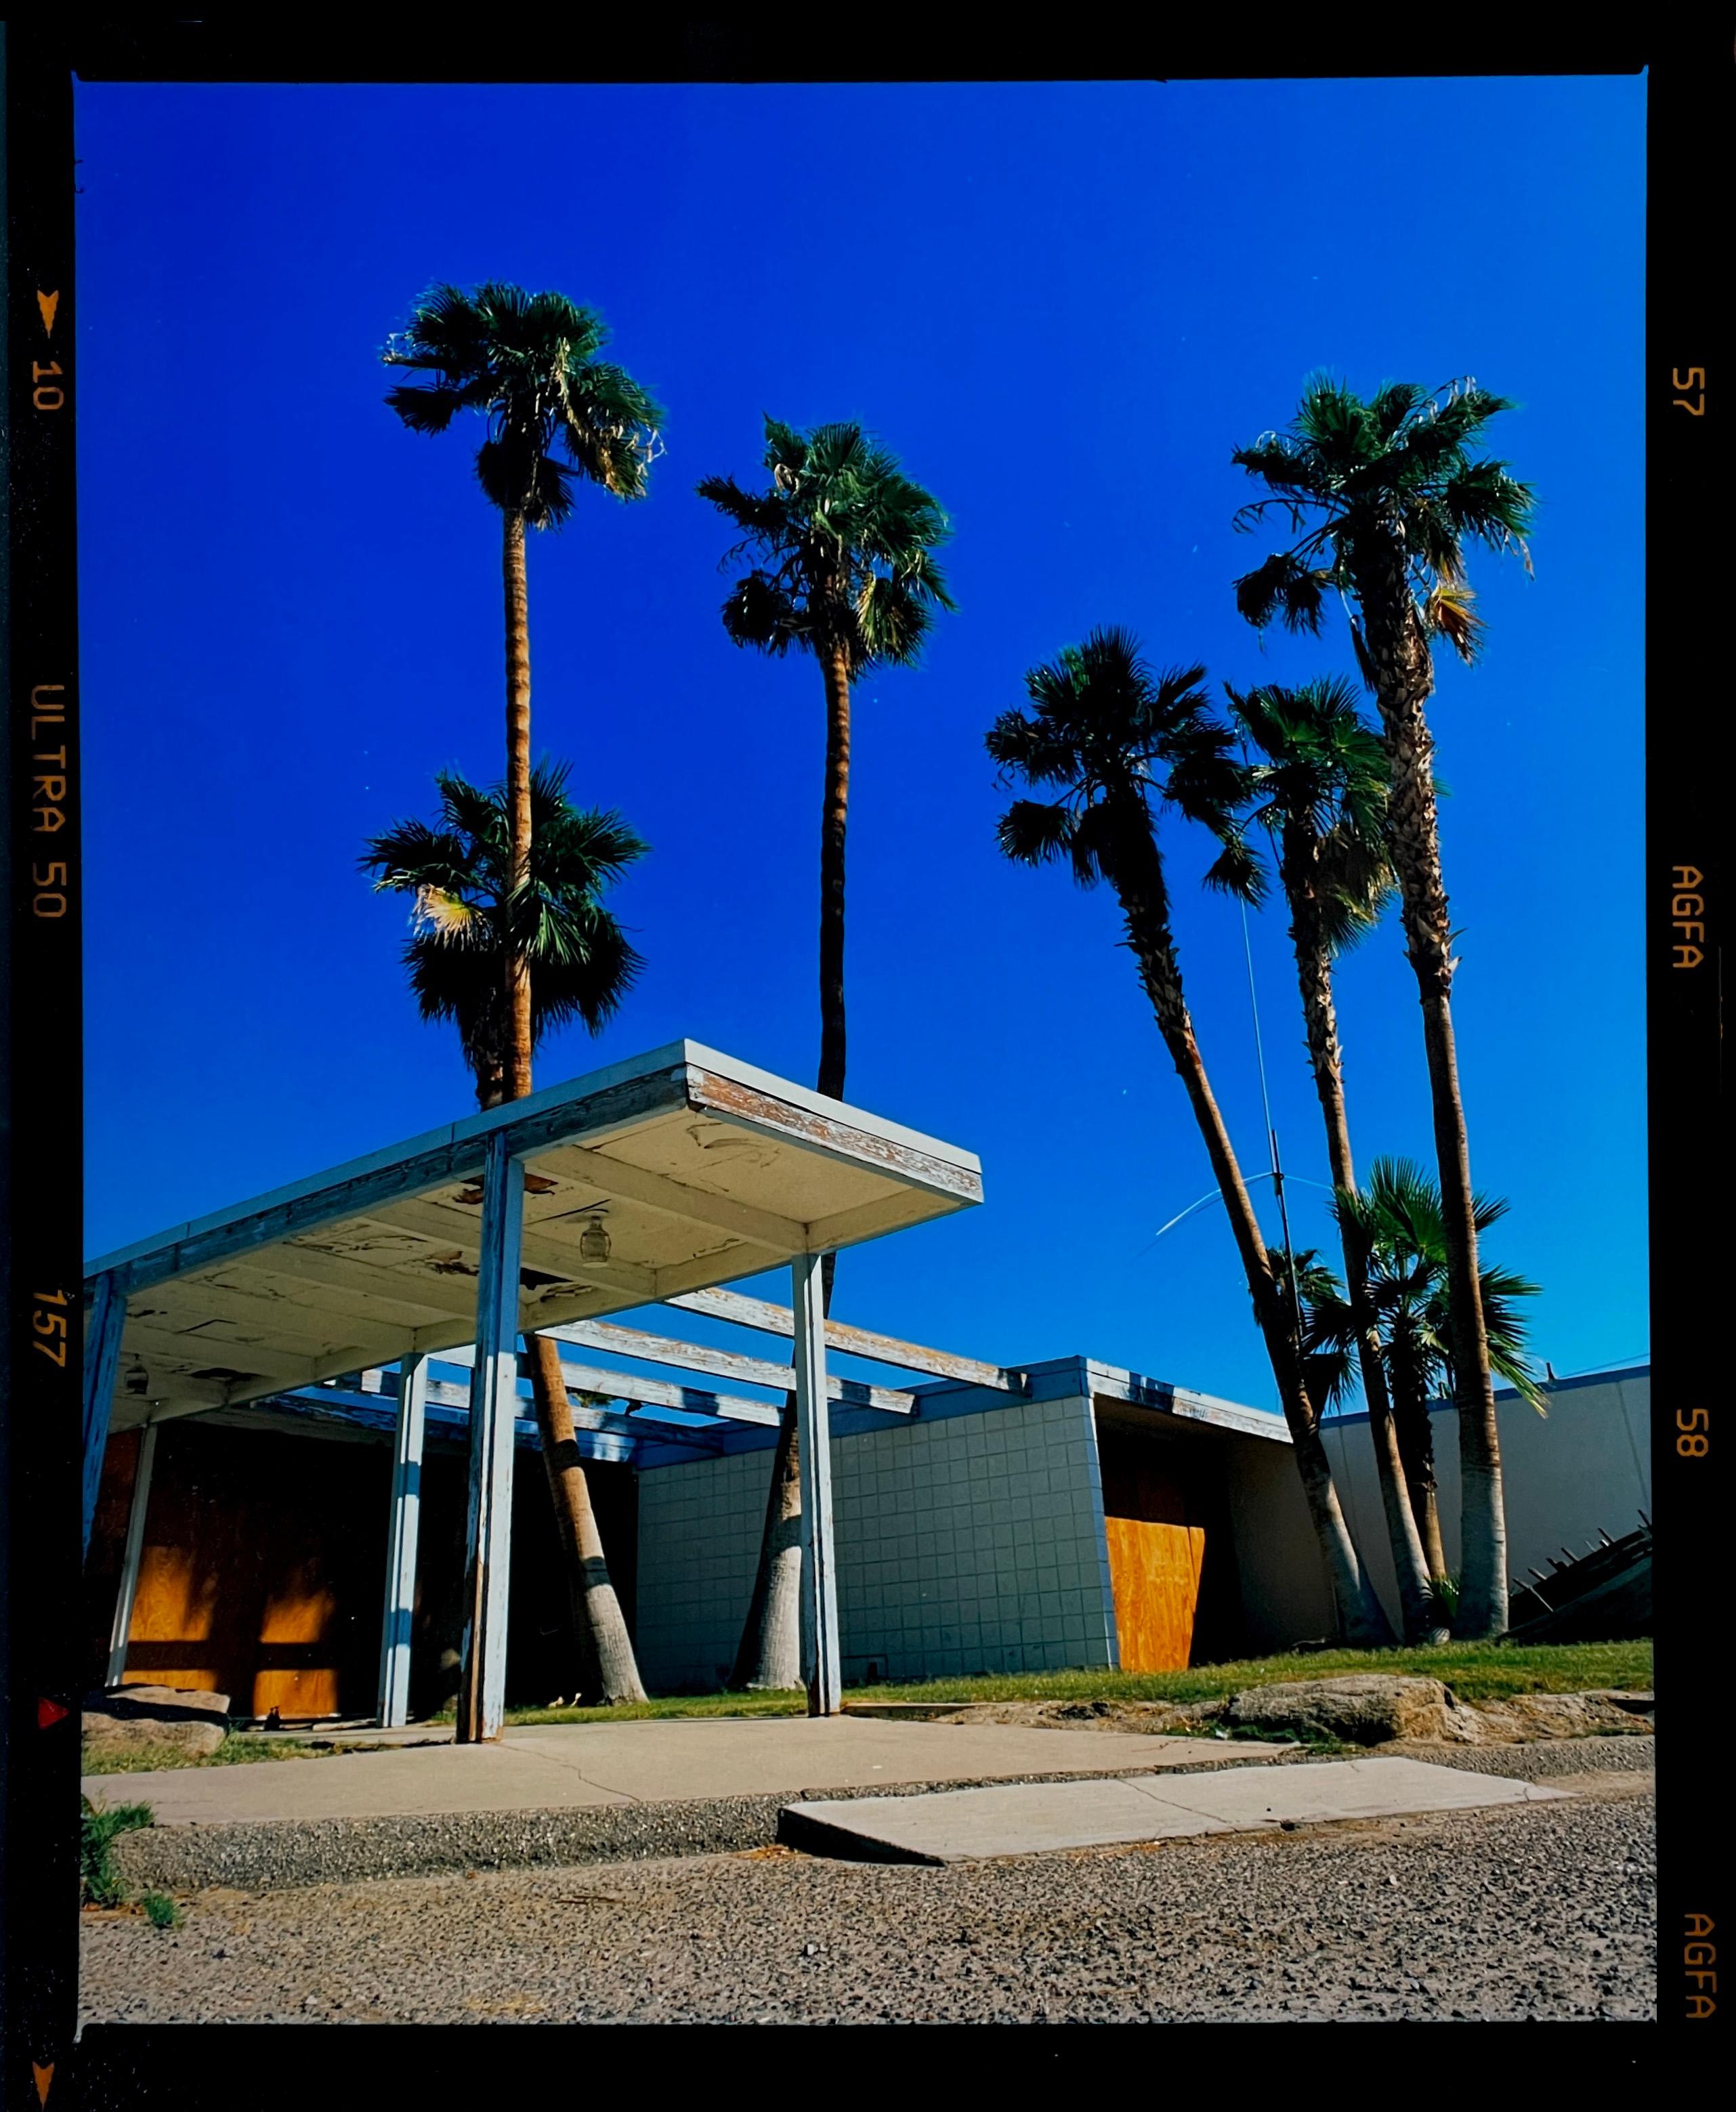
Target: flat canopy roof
(710,1169)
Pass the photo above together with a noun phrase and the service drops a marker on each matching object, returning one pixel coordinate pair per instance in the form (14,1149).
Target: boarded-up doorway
(1171,1565)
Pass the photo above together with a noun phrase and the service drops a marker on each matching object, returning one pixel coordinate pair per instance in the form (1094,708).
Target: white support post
(821,1673)
(123,1626)
(102,1365)
(400,1560)
(494,1408)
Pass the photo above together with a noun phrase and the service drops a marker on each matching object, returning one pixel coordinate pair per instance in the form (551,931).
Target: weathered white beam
(652,1393)
(262,1360)
(398,1297)
(840,1132)
(326,1314)
(868,1221)
(670,1198)
(822,1673)
(767,1318)
(721,1363)
(101,1363)
(402,1531)
(458,1226)
(122,1627)
(494,1408)
(171,1397)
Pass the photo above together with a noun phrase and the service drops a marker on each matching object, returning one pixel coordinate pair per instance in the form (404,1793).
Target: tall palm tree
(1320,791)
(842,567)
(468,921)
(1383,498)
(557,416)
(1400,1228)
(1119,743)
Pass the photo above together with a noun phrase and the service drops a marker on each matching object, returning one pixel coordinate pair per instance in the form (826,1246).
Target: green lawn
(233,1752)
(1476,1671)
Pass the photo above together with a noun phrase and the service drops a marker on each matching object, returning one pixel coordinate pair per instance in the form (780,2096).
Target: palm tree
(842,546)
(1321,792)
(1383,497)
(1401,1228)
(1119,743)
(468,921)
(557,415)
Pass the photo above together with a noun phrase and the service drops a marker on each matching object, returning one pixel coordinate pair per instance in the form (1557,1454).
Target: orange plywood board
(1154,1574)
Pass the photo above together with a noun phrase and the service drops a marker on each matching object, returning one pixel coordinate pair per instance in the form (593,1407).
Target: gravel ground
(1542,1911)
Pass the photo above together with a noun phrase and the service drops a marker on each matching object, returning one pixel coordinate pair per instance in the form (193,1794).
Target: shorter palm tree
(457,869)
(469,920)
(1398,1222)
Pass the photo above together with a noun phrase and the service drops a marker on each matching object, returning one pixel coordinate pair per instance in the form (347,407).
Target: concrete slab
(569,1766)
(957,1826)
(1031,1818)
(1345,1788)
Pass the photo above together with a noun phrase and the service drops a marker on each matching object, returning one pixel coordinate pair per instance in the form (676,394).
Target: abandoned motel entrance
(995,1519)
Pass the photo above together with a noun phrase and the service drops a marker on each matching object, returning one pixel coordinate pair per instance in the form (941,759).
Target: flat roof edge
(678,1060)
(1442,1402)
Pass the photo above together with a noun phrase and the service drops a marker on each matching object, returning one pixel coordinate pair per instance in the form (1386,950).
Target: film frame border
(1689,97)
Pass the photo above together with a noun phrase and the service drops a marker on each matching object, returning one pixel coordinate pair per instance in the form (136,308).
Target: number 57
(1695,378)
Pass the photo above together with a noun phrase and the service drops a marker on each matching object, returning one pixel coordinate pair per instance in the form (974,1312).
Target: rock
(1523,1717)
(169,1704)
(193,1735)
(1361,1709)
(189,1719)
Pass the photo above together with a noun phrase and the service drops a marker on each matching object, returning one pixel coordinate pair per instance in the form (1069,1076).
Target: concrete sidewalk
(1025,1818)
(578,1766)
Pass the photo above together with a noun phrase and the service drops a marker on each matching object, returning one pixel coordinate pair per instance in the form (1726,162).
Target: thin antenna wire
(1266,1102)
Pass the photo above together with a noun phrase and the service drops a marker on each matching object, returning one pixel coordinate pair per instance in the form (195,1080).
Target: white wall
(966,1543)
(1586,1465)
(1286,1594)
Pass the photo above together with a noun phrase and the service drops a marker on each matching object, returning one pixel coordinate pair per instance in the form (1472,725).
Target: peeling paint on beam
(731,1100)
(722,1364)
(760,1313)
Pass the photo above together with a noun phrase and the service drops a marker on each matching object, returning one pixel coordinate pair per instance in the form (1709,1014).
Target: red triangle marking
(49,1712)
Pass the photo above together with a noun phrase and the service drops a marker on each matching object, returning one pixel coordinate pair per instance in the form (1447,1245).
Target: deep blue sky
(1062,306)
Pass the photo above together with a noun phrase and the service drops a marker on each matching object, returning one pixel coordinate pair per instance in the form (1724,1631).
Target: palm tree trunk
(1320,1013)
(607,1667)
(769,1653)
(1404,679)
(1361,1621)
(833,815)
(519,1035)
(1416,1445)
(608,1671)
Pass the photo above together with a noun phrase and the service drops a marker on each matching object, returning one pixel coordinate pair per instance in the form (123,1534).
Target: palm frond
(1032,833)
(844,547)
(1286,587)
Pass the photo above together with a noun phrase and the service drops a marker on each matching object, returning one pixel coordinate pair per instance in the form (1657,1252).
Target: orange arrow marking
(44,2080)
(48,304)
